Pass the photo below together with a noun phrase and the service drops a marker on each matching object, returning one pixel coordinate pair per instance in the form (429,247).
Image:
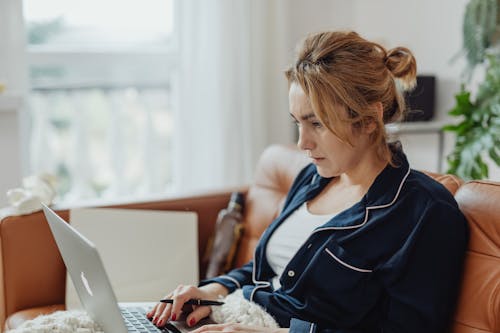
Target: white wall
(431,29)
(297,18)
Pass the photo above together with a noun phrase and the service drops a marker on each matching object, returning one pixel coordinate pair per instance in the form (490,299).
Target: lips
(317,159)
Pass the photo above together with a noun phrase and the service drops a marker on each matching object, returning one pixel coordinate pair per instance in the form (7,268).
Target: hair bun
(403,66)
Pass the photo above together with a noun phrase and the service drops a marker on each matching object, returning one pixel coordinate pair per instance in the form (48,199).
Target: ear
(378,108)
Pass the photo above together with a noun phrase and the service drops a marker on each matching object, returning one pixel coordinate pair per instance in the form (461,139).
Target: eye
(316,124)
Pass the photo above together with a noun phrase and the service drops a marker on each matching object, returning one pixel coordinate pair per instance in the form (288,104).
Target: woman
(364,243)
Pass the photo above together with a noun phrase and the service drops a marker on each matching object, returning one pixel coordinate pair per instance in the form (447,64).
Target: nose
(305,141)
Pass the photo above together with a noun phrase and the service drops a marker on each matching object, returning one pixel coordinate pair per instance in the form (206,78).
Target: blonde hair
(342,69)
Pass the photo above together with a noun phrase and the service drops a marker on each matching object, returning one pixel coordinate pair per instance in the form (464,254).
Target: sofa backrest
(277,168)
(478,307)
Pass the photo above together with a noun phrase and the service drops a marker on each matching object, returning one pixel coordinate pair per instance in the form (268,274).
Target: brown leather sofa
(32,273)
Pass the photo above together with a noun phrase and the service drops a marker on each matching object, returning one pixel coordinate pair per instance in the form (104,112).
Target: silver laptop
(91,282)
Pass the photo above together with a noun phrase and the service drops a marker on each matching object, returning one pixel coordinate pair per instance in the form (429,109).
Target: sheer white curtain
(231,89)
(13,75)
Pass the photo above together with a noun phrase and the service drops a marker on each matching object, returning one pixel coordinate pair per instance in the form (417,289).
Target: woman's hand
(233,327)
(162,312)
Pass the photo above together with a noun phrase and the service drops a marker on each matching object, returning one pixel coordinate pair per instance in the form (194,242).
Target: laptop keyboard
(136,321)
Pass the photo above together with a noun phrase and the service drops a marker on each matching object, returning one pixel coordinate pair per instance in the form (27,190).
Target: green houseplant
(478,130)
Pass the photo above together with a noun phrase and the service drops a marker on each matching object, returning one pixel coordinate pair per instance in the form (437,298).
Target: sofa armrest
(32,273)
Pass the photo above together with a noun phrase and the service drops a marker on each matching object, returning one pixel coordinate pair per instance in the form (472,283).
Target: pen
(193,301)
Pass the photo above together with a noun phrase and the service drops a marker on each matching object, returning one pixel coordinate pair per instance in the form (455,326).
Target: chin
(327,173)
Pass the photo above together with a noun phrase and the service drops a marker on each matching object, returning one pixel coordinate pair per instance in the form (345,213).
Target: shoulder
(425,189)
(425,219)
(419,200)
(432,204)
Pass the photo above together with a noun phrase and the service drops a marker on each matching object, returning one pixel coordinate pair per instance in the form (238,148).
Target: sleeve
(422,279)
(234,279)
(295,325)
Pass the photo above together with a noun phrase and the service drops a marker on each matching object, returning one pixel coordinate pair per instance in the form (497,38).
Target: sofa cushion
(479,302)
(33,271)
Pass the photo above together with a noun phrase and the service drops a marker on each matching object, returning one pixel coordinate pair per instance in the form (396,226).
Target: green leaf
(478,132)
(483,167)
(463,106)
(464,127)
(450,128)
(495,156)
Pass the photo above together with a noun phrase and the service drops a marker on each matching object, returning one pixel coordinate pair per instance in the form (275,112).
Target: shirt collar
(383,193)
(387,186)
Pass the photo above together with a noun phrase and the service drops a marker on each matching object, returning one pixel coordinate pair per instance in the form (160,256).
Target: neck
(367,168)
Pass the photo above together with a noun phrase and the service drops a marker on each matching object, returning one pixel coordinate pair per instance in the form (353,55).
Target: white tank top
(290,235)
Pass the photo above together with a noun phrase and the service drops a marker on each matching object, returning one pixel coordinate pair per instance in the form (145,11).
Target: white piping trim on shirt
(368,208)
(346,264)
(312,328)
(397,193)
(258,284)
(261,284)
(231,279)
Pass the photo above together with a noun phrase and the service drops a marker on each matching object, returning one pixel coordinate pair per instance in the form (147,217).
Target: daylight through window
(101,75)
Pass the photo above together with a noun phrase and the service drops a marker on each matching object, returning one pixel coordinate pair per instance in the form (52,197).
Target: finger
(170,314)
(151,312)
(182,297)
(164,316)
(157,309)
(199,313)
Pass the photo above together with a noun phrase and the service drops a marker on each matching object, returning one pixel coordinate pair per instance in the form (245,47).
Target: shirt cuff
(301,326)
(227,281)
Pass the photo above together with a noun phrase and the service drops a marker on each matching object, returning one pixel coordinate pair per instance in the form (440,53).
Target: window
(102,83)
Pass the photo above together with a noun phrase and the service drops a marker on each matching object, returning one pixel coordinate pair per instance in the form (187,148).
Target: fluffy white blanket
(60,322)
(236,309)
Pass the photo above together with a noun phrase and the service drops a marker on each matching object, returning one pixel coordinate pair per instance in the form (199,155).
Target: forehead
(299,101)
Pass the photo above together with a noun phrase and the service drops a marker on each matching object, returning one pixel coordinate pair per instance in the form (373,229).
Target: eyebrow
(305,117)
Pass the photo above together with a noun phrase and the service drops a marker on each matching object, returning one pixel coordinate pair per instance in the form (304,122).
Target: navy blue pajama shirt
(391,263)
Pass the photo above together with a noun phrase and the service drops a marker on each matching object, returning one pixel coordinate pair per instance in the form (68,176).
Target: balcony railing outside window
(107,142)
(100,106)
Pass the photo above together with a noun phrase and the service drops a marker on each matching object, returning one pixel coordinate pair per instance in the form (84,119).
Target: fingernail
(174,316)
(154,320)
(192,322)
(160,322)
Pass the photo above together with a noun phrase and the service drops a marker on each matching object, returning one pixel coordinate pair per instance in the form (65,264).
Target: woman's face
(331,155)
